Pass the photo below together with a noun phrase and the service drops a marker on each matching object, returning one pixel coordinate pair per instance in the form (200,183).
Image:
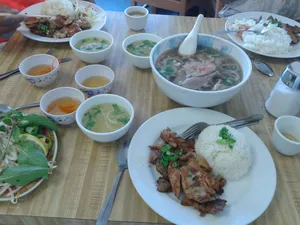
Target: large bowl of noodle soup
(186,93)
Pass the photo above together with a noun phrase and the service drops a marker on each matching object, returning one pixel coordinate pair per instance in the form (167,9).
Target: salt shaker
(285,97)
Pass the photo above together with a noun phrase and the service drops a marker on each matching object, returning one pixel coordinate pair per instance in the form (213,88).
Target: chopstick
(10,14)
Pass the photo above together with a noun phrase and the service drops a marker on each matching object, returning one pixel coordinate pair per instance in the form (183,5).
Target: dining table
(86,170)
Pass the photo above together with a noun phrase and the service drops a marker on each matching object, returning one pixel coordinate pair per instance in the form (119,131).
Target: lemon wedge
(41,146)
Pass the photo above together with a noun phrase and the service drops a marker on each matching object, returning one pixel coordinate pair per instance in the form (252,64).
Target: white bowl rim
(104,96)
(55,89)
(136,6)
(280,134)
(140,34)
(244,80)
(87,31)
(95,88)
(44,75)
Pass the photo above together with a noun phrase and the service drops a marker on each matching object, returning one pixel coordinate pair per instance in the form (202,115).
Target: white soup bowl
(91,57)
(104,99)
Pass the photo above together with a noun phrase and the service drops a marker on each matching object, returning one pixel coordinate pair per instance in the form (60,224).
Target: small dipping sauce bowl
(286,125)
(142,62)
(136,22)
(93,71)
(91,57)
(104,99)
(36,60)
(56,94)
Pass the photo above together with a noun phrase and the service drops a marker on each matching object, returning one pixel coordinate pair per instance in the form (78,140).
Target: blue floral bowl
(40,59)
(196,98)
(92,71)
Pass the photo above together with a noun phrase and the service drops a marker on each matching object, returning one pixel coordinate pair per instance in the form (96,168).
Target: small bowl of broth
(286,135)
(92,46)
(95,79)
(136,17)
(105,118)
(40,70)
(61,104)
(138,48)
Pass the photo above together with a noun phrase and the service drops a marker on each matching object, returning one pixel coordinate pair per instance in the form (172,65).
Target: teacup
(91,71)
(136,22)
(58,93)
(287,125)
(40,59)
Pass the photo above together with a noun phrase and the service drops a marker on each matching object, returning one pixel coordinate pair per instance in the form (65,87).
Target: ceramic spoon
(189,44)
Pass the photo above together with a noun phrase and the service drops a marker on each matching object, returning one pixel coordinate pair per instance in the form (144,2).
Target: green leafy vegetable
(33,130)
(3,128)
(123,120)
(30,155)
(225,138)
(16,133)
(37,120)
(23,174)
(117,109)
(89,125)
(7,121)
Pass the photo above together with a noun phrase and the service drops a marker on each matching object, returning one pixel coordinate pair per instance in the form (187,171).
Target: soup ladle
(189,45)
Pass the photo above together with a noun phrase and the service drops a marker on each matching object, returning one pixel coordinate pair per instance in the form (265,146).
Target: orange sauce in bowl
(63,106)
(40,70)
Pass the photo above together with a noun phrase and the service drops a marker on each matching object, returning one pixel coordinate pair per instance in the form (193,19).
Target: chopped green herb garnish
(117,109)
(168,156)
(225,138)
(123,120)
(189,175)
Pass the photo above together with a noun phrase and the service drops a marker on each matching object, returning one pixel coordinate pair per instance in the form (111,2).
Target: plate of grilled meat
(57,21)
(221,176)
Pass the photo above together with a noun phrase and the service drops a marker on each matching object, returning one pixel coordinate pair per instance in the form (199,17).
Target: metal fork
(199,127)
(15,71)
(122,163)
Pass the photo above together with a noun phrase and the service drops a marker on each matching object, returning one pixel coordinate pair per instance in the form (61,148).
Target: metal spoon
(5,108)
(263,68)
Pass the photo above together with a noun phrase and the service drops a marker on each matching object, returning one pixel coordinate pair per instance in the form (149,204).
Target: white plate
(247,198)
(27,189)
(36,10)
(295,52)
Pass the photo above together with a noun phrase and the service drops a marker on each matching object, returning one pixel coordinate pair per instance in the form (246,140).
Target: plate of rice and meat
(217,178)
(60,20)
(265,34)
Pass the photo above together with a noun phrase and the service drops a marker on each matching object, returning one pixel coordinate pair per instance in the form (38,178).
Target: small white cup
(91,71)
(136,22)
(58,93)
(40,59)
(289,125)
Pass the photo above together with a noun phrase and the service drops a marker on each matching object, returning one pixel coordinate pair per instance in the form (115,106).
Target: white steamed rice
(233,163)
(57,7)
(276,41)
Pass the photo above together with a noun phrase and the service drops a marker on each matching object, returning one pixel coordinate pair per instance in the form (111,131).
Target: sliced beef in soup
(207,70)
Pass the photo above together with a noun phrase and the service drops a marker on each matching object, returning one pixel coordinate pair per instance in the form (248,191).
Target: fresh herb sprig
(225,138)
(168,156)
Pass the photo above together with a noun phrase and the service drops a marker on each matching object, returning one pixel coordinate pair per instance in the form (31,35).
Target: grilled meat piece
(154,156)
(212,207)
(176,142)
(31,22)
(197,183)
(161,169)
(156,147)
(83,23)
(163,185)
(174,177)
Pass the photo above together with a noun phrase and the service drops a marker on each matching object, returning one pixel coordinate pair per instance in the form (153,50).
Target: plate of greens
(28,149)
